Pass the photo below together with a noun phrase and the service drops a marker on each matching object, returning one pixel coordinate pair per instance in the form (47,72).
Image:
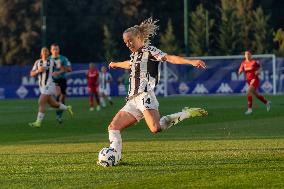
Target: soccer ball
(108,157)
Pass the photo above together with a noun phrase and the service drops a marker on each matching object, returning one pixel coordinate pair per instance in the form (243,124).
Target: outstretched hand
(111,65)
(199,64)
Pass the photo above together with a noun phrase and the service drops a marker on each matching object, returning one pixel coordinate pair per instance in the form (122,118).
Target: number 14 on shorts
(147,101)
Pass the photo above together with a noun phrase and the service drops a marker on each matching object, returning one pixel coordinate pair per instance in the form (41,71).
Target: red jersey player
(252,69)
(92,78)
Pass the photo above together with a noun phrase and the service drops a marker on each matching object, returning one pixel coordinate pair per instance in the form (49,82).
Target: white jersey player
(104,86)
(45,80)
(44,68)
(141,101)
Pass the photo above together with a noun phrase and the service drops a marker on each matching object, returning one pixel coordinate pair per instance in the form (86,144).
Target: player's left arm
(67,65)
(258,68)
(61,70)
(161,56)
(181,60)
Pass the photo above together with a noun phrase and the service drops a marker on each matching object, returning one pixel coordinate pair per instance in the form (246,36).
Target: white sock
(115,140)
(62,107)
(40,116)
(103,103)
(173,119)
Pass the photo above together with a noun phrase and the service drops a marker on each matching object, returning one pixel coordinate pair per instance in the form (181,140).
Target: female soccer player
(92,79)
(141,99)
(44,68)
(252,69)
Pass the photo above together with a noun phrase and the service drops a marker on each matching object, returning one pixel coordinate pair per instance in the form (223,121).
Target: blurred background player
(104,86)
(252,69)
(60,80)
(92,79)
(44,69)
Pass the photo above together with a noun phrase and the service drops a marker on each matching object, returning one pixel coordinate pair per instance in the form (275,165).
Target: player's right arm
(124,64)
(36,69)
(258,68)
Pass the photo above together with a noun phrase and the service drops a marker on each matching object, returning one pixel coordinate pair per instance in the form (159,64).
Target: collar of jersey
(140,49)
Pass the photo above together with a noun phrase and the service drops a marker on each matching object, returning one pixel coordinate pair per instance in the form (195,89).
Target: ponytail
(145,30)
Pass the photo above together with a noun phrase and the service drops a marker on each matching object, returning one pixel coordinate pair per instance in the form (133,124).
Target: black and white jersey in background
(104,80)
(144,69)
(44,78)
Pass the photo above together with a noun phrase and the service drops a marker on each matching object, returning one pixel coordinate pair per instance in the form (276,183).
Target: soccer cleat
(166,120)
(91,109)
(268,106)
(69,110)
(248,112)
(98,108)
(195,112)
(36,124)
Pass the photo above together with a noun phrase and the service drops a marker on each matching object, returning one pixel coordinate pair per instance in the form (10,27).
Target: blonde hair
(145,30)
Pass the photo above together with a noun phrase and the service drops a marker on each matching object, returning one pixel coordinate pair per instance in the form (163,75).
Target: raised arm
(124,64)
(181,60)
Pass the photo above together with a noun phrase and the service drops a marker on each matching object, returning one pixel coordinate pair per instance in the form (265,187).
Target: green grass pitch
(224,150)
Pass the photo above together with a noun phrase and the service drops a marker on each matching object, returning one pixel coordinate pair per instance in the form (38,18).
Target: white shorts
(105,91)
(48,90)
(137,105)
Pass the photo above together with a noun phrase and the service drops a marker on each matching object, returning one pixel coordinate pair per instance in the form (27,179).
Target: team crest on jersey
(224,88)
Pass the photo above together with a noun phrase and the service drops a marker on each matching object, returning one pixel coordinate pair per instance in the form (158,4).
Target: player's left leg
(97,99)
(107,92)
(58,95)
(173,119)
(262,99)
(102,98)
(155,124)
(53,103)
(152,116)
(249,99)
(110,100)
(91,98)
(62,94)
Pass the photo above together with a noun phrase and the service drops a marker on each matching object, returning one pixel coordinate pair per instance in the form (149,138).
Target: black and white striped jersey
(144,69)
(104,80)
(45,78)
